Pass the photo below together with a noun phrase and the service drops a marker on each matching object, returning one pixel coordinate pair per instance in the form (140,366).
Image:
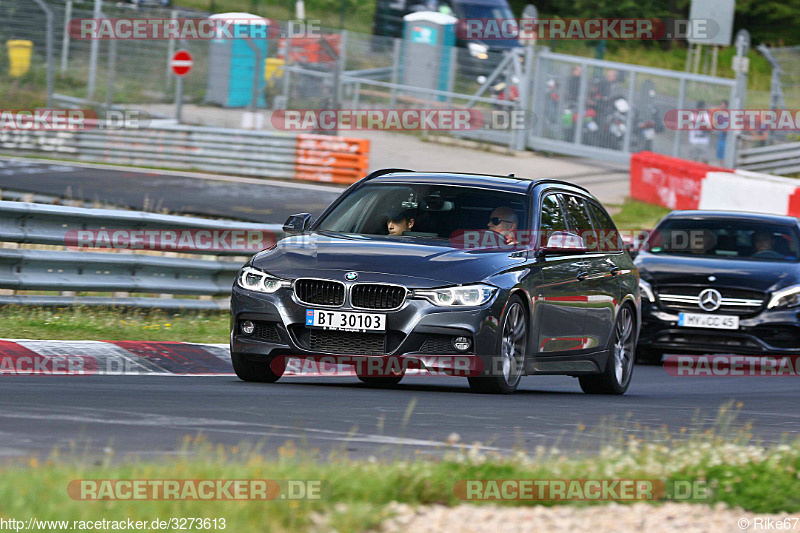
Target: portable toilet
(232,63)
(428,43)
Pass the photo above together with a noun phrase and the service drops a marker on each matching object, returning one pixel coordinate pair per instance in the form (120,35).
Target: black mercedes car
(515,276)
(720,282)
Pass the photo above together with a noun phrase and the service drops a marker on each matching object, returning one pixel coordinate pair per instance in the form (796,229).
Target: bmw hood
(413,262)
(765,276)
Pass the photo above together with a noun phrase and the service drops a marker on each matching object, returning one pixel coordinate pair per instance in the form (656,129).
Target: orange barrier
(311,49)
(668,181)
(331,159)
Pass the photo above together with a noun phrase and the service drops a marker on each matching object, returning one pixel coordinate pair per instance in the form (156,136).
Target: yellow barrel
(19,57)
(273,68)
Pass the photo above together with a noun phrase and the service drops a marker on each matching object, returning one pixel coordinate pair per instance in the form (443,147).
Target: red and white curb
(37,357)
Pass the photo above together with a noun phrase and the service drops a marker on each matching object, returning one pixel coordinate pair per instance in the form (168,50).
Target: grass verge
(734,470)
(76,323)
(634,214)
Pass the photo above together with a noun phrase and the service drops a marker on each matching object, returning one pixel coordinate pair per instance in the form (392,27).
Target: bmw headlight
(647,290)
(464,296)
(788,297)
(255,280)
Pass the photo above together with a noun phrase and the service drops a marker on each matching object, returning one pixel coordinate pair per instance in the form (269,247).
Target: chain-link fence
(785,87)
(593,107)
(101,71)
(572,105)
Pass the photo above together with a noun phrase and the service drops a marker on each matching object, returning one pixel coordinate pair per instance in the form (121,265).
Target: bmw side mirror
(564,243)
(297,223)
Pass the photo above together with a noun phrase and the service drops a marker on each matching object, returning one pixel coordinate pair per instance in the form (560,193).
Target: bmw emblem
(351,276)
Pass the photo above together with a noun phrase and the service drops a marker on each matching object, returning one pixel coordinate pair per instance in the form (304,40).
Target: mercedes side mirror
(297,223)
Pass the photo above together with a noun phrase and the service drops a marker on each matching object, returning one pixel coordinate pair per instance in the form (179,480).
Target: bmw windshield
(423,210)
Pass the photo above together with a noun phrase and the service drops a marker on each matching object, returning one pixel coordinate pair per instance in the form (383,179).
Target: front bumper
(418,331)
(770,332)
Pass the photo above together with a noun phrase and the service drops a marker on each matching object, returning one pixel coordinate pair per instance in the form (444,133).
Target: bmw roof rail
(559,182)
(382,171)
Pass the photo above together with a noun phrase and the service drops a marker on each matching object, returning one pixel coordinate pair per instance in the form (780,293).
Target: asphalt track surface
(148,416)
(246,199)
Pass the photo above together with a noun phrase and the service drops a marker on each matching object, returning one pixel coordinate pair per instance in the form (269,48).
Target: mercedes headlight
(788,297)
(255,280)
(647,290)
(465,296)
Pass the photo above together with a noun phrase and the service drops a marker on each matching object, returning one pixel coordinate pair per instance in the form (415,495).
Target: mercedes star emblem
(709,300)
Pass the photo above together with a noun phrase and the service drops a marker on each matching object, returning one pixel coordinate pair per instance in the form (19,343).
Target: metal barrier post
(178,98)
(536,96)
(98,5)
(396,54)
(49,44)
(626,143)
(256,79)
(65,39)
(170,51)
(526,84)
(676,140)
(739,93)
(112,64)
(582,91)
(340,68)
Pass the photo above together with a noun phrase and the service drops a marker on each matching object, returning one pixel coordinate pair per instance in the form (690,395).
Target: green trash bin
(19,57)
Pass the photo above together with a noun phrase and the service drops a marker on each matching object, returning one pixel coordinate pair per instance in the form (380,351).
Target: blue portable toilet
(232,62)
(428,41)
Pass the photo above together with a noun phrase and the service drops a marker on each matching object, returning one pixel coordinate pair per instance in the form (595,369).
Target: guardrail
(228,151)
(67,270)
(777,159)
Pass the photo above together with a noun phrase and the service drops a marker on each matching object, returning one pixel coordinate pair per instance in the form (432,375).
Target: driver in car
(400,221)
(503,220)
(764,245)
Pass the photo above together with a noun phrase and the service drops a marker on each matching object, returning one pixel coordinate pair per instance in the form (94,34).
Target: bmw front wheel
(513,346)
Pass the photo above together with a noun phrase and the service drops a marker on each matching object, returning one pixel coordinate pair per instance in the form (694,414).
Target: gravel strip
(611,518)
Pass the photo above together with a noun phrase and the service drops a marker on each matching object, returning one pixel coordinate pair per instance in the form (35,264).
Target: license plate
(345,321)
(696,320)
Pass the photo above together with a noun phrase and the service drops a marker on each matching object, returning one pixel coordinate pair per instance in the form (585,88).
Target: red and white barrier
(681,184)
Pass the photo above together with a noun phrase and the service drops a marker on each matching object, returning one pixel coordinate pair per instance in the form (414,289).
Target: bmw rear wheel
(619,368)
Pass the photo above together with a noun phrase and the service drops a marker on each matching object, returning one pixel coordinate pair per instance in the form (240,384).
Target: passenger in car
(503,220)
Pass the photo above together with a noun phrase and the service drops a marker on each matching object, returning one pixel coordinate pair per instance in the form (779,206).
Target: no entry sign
(181,63)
